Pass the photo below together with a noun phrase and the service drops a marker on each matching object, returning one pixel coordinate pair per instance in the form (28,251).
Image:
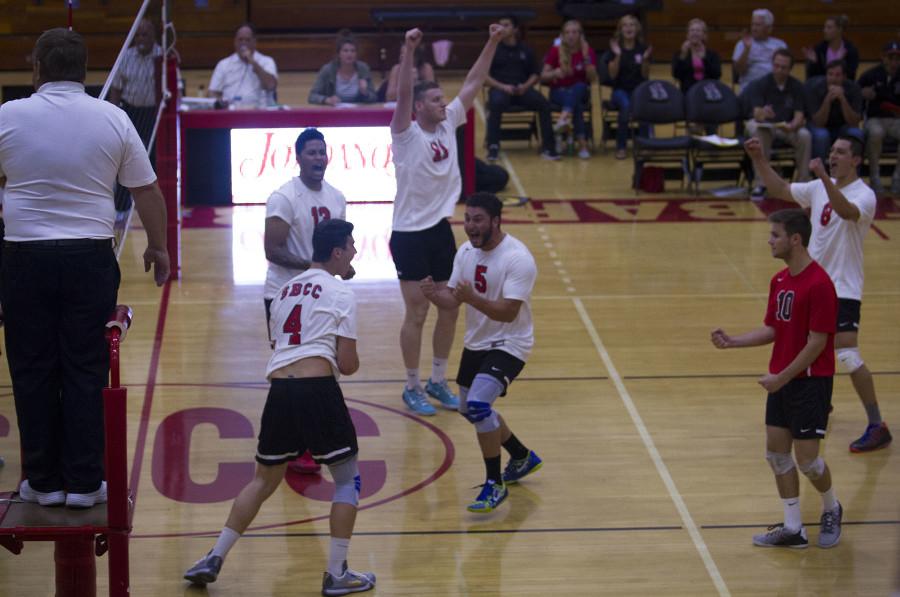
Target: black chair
(712,105)
(659,102)
(517,123)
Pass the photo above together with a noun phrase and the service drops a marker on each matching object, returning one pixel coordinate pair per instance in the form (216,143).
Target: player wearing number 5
(842,208)
(493,274)
(314,327)
(800,320)
(428,187)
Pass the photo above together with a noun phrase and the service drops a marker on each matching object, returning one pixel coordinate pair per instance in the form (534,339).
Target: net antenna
(146,123)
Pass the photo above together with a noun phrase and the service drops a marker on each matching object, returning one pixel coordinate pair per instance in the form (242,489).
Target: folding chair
(659,102)
(708,104)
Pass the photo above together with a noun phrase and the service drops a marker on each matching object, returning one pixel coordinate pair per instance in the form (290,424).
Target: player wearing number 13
(493,274)
(314,326)
(800,320)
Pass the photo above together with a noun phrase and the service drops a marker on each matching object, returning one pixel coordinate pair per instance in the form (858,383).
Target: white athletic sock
(829,500)
(227,539)
(792,519)
(439,370)
(337,556)
(412,379)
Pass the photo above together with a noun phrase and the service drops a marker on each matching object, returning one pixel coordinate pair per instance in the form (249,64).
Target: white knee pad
(492,423)
(813,470)
(347,482)
(476,404)
(849,359)
(781,462)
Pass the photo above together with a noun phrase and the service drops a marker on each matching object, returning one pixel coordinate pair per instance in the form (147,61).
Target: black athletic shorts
(848,315)
(424,253)
(801,406)
(305,414)
(497,363)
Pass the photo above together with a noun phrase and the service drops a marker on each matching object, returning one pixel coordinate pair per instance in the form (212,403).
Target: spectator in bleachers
(568,70)
(628,65)
(752,58)
(833,47)
(695,61)
(836,108)
(422,71)
(881,89)
(345,79)
(776,104)
(247,76)
(513,75)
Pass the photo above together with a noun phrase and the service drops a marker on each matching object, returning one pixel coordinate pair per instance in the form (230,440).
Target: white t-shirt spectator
(301,208)
(234,78)
(427,169)
(308,315)
(836,243)
(759,62)
(77,200)
(507,271)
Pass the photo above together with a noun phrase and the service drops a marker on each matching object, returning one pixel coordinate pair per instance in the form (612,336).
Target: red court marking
(449,455)
(148,395)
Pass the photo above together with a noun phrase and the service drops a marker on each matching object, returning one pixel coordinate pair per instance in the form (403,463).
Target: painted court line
(661,467)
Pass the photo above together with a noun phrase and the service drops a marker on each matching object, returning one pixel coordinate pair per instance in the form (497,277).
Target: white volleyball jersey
(308,315)
(836,243)
(301,208)
(508,271)
(427,170)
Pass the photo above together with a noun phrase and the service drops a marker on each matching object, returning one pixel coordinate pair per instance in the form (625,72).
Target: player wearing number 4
(292,213)
(800,320)
(314,327)
(841,208)
(428,187)
(493,274)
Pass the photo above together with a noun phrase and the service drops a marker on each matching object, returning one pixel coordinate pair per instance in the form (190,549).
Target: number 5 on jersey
(480,280)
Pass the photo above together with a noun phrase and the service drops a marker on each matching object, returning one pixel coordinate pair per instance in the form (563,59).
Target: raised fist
(414,37)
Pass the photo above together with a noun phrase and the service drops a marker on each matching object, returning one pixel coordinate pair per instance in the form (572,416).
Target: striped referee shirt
(136,77)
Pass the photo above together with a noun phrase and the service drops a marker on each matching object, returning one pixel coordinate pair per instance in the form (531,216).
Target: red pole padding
(76,570)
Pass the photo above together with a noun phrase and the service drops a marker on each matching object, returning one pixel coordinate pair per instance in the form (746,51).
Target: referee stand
(80,535)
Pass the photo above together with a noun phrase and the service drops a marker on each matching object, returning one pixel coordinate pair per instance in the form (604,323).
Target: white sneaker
(50,498)
(87,500)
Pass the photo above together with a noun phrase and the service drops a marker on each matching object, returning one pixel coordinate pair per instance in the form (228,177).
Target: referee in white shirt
(61,152)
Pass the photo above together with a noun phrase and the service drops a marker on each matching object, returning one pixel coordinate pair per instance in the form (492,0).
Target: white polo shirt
(301,208)
(308,315)
(62,151)
(234,78)
(427,170)
(836,243)
(507,271)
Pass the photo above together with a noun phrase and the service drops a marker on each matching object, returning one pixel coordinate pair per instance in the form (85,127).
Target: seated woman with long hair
(345,79)
(628,63)
(568,70)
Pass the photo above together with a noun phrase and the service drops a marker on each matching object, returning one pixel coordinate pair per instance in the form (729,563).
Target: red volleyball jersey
(797,306)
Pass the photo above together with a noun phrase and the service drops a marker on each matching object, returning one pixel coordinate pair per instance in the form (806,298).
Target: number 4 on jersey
(292,325)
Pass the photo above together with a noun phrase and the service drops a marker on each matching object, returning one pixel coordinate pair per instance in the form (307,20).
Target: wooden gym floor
(655,477)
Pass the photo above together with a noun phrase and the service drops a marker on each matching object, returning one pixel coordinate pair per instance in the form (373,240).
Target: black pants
(56,301)
(143,120)
(498,101)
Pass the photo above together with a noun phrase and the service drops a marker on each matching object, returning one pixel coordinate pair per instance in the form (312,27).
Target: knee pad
(477,406)
(813,470)
(781,462)
(347,482)
(849,359)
